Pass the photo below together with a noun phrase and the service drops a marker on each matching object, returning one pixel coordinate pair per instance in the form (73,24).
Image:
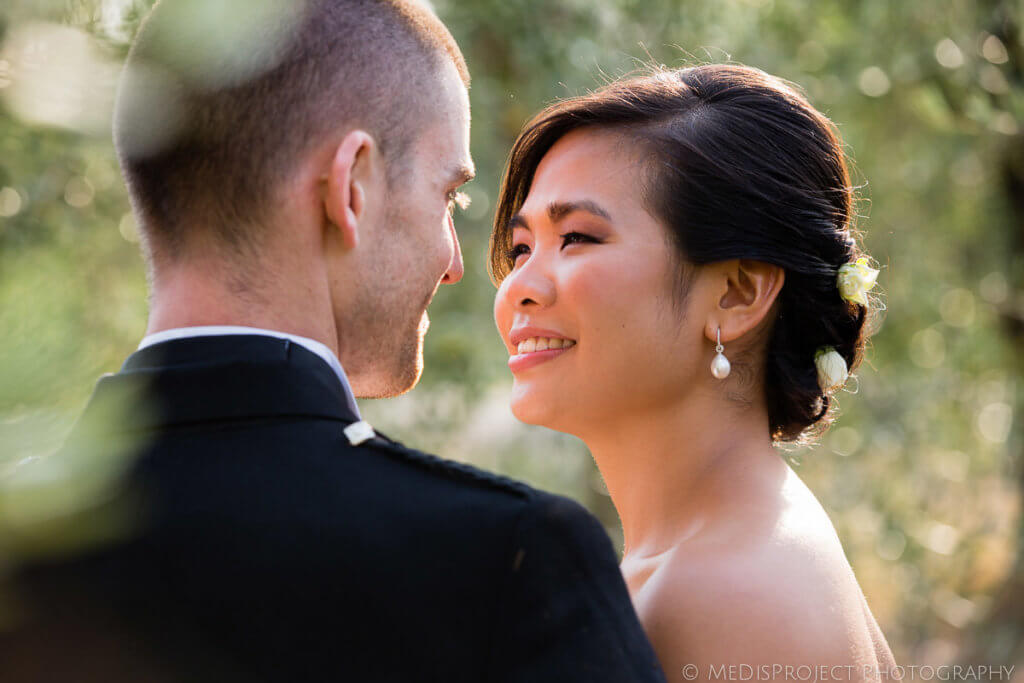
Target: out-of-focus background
(922,474)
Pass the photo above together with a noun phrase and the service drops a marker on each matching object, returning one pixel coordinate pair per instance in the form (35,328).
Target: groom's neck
(204,295)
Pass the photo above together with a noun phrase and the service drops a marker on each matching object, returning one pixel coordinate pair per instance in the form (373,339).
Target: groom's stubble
(387,359)
(414,248)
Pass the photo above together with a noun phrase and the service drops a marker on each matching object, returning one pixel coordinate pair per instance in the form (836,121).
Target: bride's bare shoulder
(775,591)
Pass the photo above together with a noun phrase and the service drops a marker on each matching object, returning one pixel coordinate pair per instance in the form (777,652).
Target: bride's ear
(749,290)
(347,181)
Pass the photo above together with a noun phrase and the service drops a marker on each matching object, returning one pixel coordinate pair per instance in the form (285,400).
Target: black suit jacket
(269,548)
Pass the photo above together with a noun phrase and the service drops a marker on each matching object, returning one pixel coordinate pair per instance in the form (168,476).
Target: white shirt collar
(219,330)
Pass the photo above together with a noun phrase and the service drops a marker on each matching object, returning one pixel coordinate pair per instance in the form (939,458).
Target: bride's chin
(530,409)
(555,420)
(524,412)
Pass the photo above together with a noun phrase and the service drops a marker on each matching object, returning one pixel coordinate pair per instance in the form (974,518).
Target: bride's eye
(515,252)
(577,238)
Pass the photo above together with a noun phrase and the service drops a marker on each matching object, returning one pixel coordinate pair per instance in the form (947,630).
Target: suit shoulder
(446,470)
(540,523)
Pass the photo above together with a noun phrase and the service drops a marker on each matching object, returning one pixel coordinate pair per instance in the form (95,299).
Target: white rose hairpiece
(832,371)
(854,281)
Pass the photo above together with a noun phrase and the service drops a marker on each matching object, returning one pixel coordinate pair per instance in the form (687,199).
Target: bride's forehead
(593,147)
(583,165)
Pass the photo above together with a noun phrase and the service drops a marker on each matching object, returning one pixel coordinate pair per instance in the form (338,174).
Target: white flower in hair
(855,279)
(832,370)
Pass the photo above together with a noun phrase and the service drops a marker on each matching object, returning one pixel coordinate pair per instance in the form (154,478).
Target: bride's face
(594,272)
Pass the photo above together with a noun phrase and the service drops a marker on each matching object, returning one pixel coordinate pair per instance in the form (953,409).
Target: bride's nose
(530,285)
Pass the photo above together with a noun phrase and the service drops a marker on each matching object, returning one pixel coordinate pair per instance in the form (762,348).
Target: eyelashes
(568,238)
(515,252)
(577,237)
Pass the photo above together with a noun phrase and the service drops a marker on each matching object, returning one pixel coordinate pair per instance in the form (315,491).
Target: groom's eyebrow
(559,210)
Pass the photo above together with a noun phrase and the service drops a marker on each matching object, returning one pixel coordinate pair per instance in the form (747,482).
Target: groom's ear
(351,171)
(748,290)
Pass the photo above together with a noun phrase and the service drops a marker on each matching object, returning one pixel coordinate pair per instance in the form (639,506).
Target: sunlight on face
(593,272)
(414,249)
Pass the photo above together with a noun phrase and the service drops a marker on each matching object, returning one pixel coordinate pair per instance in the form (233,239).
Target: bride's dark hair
(740,166)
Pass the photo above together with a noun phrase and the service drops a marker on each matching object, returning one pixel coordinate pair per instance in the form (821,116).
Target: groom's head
(301,157)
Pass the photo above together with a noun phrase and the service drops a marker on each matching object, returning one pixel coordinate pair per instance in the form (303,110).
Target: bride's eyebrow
(559,210)
(518,221)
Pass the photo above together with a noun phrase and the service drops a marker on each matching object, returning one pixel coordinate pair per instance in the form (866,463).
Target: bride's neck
(671,471)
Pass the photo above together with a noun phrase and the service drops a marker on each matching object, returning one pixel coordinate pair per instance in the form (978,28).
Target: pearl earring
(720,366)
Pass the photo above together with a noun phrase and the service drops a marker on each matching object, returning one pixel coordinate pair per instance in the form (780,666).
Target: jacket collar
(313,345)
(209,379)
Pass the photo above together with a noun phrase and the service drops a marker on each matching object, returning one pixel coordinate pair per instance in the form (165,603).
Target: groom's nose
(455,267)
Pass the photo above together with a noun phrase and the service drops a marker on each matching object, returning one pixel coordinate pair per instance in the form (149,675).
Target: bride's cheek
(595,284)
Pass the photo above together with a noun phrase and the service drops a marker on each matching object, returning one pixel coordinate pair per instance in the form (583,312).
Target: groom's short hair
(221,98)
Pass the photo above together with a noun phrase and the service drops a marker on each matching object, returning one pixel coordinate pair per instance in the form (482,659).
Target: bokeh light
(948,54)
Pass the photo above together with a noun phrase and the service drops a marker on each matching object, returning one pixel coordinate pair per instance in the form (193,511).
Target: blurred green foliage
(922,475)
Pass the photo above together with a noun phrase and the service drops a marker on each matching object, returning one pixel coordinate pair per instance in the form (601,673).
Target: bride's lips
(524,361)
(519,362)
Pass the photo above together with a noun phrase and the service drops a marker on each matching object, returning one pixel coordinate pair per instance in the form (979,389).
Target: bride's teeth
(543,344)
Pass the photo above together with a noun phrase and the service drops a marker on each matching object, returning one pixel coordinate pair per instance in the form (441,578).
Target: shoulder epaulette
(450,468)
